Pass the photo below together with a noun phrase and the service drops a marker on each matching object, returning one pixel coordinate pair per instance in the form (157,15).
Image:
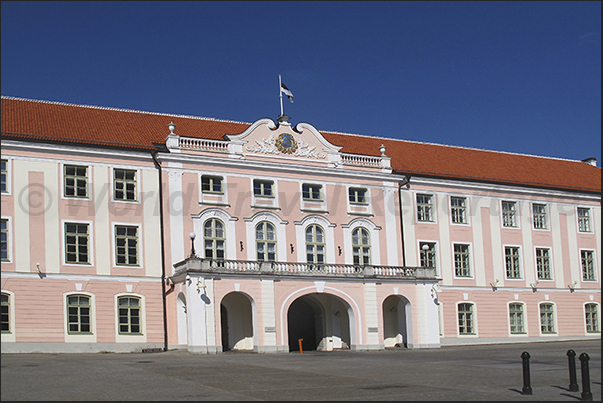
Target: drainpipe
(404,182)
(163,280)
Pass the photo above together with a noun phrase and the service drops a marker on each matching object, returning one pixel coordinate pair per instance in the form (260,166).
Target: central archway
(236,322)
(321,321)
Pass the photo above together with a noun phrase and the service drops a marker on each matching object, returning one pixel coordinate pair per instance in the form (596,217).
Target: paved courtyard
(450,373)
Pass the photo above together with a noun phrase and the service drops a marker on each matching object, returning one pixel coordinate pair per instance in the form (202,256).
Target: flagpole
(280,93)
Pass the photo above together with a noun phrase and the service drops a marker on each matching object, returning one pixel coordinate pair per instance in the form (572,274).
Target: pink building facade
(126,230)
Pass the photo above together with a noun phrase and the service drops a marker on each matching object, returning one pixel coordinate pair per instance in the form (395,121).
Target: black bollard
(527,389)
(586,394)
(571,359)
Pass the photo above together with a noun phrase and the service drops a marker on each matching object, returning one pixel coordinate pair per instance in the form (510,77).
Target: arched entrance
(397,322)
(236,320)
(321,321)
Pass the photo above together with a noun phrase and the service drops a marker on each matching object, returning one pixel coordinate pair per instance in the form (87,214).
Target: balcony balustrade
(200,265)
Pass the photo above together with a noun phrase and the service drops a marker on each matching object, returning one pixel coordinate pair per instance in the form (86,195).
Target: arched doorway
(236,320)
(321,321)
(397,322)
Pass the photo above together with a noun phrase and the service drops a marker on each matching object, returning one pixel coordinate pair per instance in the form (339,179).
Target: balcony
(199,265)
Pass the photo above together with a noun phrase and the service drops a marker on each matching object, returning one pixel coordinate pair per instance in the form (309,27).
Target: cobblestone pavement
(480,373)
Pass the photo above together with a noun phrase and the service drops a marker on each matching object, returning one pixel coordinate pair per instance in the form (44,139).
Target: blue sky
(520,77)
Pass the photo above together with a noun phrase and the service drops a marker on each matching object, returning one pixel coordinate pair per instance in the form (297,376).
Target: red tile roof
(60,122)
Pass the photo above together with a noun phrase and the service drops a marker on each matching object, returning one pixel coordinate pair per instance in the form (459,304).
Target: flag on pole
(287,92)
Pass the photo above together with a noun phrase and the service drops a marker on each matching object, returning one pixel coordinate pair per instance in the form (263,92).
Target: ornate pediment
(264,137)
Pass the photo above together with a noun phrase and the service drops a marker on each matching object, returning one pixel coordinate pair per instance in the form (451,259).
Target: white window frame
(598,305)
(9,239)
(524,316)
(517,215)
(555,332)
(551,266)
(281,234)
(214,198)
(131,338)
(9,172)
(595,268)
(89,175)
(547,216)
(80,338)
(114,245)
(590,220)
(265,202)
(306,204)
(90,243)
(433,204)
(521,263)
(436,252)
(10,335)
(473,317)
(138,191)
(471,265)
(466,209)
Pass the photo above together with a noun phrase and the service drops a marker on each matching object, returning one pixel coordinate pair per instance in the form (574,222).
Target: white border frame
(140,244)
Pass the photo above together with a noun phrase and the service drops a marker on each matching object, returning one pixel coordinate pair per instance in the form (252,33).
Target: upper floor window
(214,239)
(547,318)
(5,313)
(428,254)
(425,207)
(124,184)
(458,210)
(312,192)
(465,316)
(78,314)
(357,195)
(509,214)
(516,319)
(361,246)
(4,176)
(129,315)
(265,241)
(75,181)
(592,318)
(512,265)
(462,265)
(315,244)
(263,188)
(540,216)
(584,219)
(126,245)
(77,241)
(588,265)
(543,263)
(4,240)
(211,184)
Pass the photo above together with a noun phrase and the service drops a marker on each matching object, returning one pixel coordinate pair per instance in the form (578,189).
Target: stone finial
(382,149)
(171,126)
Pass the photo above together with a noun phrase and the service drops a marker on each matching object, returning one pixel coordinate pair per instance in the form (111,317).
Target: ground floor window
(465,316)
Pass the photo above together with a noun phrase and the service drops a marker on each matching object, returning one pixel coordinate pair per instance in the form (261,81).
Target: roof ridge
(109,108)
(448,145)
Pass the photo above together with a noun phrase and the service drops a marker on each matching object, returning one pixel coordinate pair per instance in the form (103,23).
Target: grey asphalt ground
(480,373)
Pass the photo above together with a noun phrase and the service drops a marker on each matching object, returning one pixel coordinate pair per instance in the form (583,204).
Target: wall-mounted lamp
(188,278)
(534,285)
(494,284)
(339,249)
(572,286)
(292,249)
(241,242)
(192,236)
(435,290)
(38,268)
(425,247)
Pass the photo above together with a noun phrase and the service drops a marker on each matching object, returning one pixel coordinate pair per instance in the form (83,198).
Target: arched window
(465,315)
(5,321)
(214,239)
(78,314)
(265,241)
(361,246)
(315,244)
(129,315)
(592,318)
